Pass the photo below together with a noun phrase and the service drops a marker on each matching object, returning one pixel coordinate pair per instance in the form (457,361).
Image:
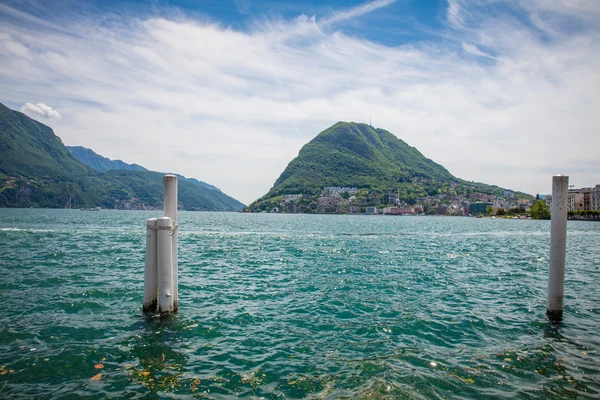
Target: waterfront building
(371,210)
(575,200)
(595,201)
(441,210)
(402,210)
(330,204)
(583,199)
(591,197)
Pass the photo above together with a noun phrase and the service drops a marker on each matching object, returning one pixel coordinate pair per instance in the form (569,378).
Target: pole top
(170,176)
(164,222)
(557,175)
(563,179)
(151,222)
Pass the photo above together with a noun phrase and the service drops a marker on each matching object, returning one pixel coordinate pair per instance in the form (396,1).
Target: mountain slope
(100,163)
(30,148)
(148,185)
(358,155)
(351,154)
(96,161)
(37,170)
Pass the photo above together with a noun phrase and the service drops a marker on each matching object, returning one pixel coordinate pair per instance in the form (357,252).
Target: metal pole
(151,270)
(170,209)
(558,247)
(165,264)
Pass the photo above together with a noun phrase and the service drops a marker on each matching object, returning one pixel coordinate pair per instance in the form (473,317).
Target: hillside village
(351,200)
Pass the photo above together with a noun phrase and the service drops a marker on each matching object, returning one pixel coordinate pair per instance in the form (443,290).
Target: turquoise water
(296,306)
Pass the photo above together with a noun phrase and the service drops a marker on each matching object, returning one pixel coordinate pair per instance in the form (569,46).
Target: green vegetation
(489,210)
(584,214)
(501,212)
(37,170)
(358,155)
(516,211)
(95,161)
(102,164)
(540,210)
(148,187)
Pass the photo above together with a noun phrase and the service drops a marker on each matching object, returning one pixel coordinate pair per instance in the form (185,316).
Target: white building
(336,190)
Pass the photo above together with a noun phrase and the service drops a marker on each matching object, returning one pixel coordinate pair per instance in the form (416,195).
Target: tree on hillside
(540,210)
(489,210)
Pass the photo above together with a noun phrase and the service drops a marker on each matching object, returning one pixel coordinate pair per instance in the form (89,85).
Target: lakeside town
(351,200)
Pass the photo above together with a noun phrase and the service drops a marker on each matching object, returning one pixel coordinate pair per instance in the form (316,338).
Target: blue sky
(498,91)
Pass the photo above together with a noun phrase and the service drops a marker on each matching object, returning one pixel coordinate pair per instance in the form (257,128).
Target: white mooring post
(151,270)
(558,247)
(165,264)
(170,209)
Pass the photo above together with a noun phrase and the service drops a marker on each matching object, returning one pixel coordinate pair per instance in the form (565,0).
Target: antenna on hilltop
(370,121)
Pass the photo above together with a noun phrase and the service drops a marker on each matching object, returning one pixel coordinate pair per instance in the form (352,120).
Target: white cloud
(454,14)
(233,108)
(40,110)
(472,49)
(358,11)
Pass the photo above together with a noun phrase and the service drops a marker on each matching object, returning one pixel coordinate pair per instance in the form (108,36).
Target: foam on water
(296,306)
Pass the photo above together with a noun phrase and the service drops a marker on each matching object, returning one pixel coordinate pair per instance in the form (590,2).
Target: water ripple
(292,306)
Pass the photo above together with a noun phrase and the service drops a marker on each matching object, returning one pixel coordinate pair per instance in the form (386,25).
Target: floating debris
(96,377)
(463,380)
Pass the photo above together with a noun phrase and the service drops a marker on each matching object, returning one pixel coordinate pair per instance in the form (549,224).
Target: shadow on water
(160,367)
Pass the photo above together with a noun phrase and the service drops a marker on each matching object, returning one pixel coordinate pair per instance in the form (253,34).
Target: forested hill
(99,163)
(37,170)
(102,164)
(357,155)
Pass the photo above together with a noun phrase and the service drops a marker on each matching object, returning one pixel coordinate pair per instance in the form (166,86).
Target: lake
(296,306)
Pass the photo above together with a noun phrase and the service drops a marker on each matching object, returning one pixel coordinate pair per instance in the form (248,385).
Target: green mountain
(201,183)
(148,185)
(37,170)
(96,161)
(102,164)
(358,155)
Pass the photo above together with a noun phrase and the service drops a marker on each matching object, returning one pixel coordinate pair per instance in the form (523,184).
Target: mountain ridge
(100,163)
(350,154)
(37,170)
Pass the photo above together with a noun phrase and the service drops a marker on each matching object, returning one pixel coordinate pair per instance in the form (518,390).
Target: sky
(504,92)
